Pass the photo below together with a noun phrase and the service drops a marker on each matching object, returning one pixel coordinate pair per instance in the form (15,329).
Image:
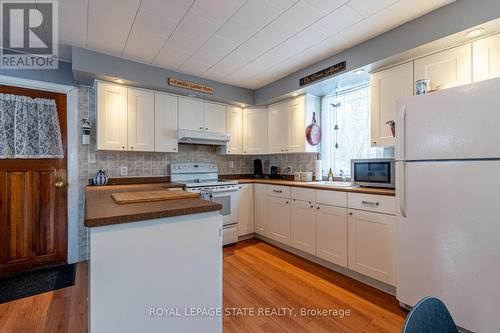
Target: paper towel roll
(318,173)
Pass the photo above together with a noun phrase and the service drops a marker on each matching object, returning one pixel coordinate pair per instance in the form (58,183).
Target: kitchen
(234,175)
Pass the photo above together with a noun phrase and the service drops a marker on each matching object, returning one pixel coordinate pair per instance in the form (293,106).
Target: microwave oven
(373,172)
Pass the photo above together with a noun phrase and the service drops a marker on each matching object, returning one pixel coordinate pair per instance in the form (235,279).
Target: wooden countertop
(318,186)
(101,209)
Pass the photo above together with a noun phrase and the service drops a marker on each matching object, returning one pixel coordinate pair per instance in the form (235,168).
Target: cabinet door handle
(174,148)
(123,147)
(201,127)
(287,202)
(350,213)
(311,206)
(206,128)
(278,191)
(370,203)
(317,207)
(131,147)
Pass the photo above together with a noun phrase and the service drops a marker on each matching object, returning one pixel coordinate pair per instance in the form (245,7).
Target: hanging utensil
(313,132)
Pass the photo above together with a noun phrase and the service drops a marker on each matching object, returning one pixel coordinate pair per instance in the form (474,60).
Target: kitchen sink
(339,184)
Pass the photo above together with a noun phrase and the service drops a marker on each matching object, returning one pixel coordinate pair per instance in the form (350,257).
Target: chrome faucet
(342,174)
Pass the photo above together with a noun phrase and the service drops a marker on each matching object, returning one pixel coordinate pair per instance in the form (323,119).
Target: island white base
(148,276)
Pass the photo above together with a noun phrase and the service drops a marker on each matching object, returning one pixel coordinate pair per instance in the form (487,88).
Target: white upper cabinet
(486,58)
(255,131)
(235,130)
(277,117)
(191,114)
(387,86)
(166,122)
(214,117)
(111,117)
(287,123)
(446,69)
(202,116)
(141,119)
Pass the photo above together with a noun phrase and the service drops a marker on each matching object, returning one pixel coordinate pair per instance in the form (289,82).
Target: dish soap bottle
(330,175)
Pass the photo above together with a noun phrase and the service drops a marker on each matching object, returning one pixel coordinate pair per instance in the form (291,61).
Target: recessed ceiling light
(243,105)
(359,71)
(120,81)
(191,95)
(474,33)
(295,94)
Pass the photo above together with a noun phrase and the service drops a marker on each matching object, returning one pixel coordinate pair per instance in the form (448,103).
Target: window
(352,116)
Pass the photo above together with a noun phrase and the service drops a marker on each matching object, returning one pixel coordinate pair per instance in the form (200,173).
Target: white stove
(203,178)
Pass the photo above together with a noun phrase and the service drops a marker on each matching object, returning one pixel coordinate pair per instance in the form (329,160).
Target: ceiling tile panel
(149,32)
(327,6)
(367,8)
(229,64)
(109,23)
(338,20)
(171,58)
(173,9)
(217,11)
(73,22)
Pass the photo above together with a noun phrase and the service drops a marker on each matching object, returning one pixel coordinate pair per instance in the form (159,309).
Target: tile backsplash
(157,164)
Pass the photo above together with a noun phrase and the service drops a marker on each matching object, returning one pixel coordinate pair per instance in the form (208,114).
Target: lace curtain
(29,128)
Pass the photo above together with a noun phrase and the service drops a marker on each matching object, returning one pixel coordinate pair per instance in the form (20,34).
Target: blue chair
(430,315)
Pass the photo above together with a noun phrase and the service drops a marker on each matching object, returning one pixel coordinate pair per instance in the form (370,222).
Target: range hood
(202,137)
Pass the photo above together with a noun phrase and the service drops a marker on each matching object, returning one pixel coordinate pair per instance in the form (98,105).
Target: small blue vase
(100,178)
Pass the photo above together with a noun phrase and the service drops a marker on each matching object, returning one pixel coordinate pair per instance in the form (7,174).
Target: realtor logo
(29,34)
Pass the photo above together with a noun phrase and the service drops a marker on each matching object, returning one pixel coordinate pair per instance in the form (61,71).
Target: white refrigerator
(448,196)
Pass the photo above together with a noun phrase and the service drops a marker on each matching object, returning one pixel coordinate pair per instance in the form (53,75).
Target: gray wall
(453,18)
(62,75)
(89,64)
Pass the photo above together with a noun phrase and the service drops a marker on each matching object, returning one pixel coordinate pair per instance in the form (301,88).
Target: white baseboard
(339,269)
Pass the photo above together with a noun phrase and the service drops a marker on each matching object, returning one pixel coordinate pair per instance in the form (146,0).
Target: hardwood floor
(257,277)
(59,311)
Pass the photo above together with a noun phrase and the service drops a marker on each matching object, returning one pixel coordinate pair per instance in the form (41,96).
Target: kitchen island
(154,266)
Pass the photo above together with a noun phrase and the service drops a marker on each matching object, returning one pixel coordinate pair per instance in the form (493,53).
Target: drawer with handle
(278,191)
(372,202)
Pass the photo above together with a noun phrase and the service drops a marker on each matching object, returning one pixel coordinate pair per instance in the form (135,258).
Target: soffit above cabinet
(243,43)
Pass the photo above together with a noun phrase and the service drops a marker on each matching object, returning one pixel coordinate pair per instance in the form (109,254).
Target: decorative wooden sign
(190,85)
(335,69)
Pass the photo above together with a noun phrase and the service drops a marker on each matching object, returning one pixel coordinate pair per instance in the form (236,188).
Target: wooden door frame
(72,167)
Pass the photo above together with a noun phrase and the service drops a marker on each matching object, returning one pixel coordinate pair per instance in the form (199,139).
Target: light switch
(91,158)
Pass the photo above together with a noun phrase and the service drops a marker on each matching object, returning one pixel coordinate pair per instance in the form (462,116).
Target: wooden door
(33,211)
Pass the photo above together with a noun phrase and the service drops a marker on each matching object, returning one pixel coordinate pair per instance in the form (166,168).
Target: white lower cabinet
(278,219)
(245,209)
(324,224)
(331,234)
(303,226)
(372,244)
(260,198)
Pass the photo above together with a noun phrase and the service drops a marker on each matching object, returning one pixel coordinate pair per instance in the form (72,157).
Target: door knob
(59,184)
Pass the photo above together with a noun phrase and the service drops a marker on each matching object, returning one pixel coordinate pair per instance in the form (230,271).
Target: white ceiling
(247,43)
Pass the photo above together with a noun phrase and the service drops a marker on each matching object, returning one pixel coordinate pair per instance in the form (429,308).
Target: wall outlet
(91,158)
(123,170)
(231,164)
